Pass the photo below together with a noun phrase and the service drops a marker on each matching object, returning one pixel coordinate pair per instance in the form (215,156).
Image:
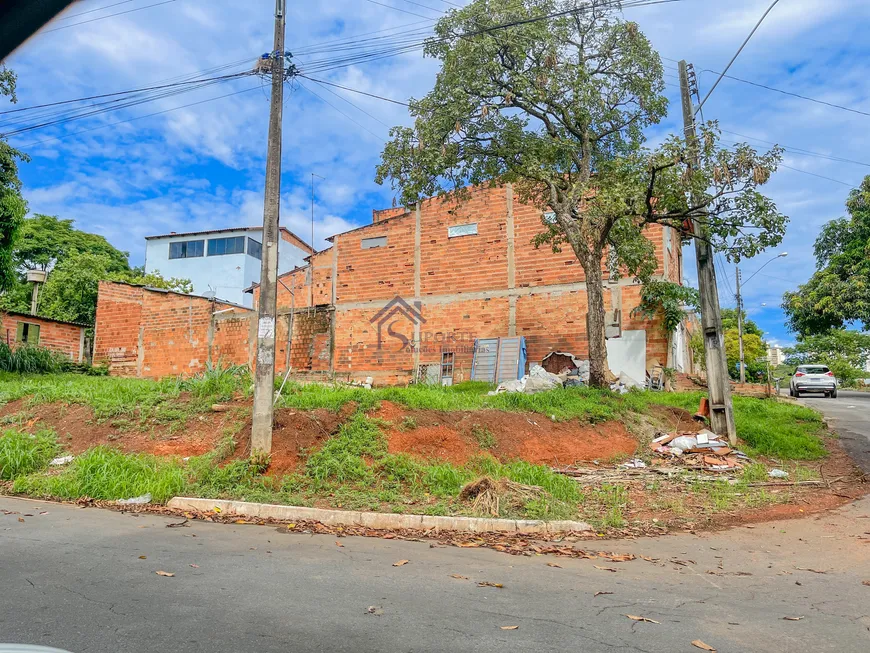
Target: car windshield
(813,369)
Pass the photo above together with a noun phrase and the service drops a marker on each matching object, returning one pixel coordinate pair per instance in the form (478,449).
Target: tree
(845,352)
(753,349)
(70,293)
(839,291)
(729,321)
(558,108)
(45,240)
(668,300)
(13,208)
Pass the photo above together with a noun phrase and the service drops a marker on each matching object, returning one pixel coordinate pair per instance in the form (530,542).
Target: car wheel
(834,394)
(790,391)
(797,394)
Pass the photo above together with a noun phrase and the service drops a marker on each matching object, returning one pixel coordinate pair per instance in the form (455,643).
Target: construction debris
(777,473)
(700,450)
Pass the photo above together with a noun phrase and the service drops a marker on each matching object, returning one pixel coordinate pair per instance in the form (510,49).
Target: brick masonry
(63,337)
(493,283)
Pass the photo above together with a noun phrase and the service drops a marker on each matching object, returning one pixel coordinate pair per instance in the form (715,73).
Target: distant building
(774,354)
(225,261)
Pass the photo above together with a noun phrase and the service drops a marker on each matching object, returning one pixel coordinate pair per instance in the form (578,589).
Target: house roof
(47,319)
(208,232)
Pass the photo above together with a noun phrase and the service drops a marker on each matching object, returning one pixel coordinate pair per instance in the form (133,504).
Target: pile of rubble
(702,450)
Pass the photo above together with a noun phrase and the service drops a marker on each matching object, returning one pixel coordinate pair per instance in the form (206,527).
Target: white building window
(186,249)
(371,243)
(457,230)
(221,246)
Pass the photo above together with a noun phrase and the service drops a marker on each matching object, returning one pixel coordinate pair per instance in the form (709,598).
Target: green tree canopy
(753,349)
(558,106)
(729,321)
(839,291)
(13,208)
(70,293)
(845,352)
(45,240)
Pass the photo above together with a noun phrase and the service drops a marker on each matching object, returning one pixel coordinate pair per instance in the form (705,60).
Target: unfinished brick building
(67,338)
(461,272)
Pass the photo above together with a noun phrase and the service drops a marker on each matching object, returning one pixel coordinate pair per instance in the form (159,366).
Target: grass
(485,438)
(24,453)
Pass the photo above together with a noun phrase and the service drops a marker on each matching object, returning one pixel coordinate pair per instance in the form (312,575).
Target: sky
(128,174)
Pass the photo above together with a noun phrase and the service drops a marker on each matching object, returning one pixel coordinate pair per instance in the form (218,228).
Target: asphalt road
(84,580)
(849,416)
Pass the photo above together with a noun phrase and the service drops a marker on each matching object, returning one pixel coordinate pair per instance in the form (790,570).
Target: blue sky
(202,166)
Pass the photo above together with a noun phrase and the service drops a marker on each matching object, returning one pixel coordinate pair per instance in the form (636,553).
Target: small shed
(21,329)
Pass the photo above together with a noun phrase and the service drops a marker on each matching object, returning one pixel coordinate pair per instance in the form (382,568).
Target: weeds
(24,453)
(485,438)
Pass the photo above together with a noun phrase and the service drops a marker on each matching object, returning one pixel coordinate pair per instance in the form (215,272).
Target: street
(849,416)
(85,580)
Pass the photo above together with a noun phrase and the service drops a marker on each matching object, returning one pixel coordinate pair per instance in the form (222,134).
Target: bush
(29,359)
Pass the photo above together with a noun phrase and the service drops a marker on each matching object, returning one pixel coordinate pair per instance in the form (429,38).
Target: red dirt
(524,436)
(676,419)
(295,434)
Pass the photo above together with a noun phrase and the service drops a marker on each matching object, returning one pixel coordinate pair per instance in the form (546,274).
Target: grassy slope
(353,469)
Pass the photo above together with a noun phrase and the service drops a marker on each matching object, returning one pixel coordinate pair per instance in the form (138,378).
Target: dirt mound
(458,436)
(676,419)
(294,435)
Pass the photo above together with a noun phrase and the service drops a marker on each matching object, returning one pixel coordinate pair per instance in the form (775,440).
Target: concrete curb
(377,520)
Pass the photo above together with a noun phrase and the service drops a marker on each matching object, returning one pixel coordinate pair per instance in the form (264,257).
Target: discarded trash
(219,408)
(167,574)
(777,473)
(375,610)
(635,463)
(487,583)
(509,627)
(684,443)
(793,618)
(136,501)
(62,460)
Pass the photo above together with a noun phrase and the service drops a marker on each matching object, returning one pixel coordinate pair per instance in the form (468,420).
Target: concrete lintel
(377,520)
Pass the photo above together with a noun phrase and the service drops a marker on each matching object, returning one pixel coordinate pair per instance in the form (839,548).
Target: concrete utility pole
(264,374)
(740,327)
(718,384)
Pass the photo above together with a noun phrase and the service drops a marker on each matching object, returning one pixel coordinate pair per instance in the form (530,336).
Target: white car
(813,378)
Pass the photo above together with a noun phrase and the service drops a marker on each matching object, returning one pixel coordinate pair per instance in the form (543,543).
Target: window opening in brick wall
(222,246)
(255,249)
(371,243)
(28,333)
(186,249)
(457,230)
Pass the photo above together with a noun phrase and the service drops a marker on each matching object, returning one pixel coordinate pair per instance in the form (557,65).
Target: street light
(740,312)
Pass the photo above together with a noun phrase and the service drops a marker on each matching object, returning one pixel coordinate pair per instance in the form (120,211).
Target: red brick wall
(380,272)
(57,336)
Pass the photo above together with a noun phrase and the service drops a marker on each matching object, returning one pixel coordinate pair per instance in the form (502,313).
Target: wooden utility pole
(718,384)
(264,374)
(740,327)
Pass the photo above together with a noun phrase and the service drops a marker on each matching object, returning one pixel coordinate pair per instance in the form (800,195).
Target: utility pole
(721,408)
(740,327)
(264,374)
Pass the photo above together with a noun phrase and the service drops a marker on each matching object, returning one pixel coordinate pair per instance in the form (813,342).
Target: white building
(775,356)
(224,261)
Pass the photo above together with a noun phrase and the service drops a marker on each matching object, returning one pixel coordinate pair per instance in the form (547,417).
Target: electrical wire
(404,11)
(379,137)
(90,11)
(797,150)
(120,13)
(360,109)
(813,174)
(736,54)
(797,95)
(353,90)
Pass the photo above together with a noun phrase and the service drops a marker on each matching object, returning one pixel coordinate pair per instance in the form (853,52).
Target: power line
(120,13)
(736,54)
(412,2)
(404,11)
(147,115)
(360,109)
(90,11)
(341,112)
(353,90)
(813,174)
(797,95)
(797,150)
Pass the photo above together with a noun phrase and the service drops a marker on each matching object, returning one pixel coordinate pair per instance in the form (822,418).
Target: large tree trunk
(595,320)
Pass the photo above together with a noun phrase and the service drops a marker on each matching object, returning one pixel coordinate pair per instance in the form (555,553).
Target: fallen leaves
(600,594)
(815,571)
(167,574)
(509,627)
(866,582)
(613,569)
(487,583)
(697,643)
(143,557)
(21,519)
(458,576)
(793,618)
(339,544)
(553,564)
(401,563)
(618,557)
(634,617)
(178,524)
(195,566)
